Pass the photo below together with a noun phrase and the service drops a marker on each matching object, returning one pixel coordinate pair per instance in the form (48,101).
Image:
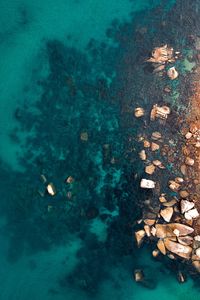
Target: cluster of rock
(160,56)
(174,222)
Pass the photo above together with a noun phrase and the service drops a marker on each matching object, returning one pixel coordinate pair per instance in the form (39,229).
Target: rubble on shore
(171,217)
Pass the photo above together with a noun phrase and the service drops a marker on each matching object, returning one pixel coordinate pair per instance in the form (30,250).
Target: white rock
(188,135)
(176,232)
(167,213)
(51,189)
(191,214)
(139,112)
(197,238)
(147,184)
(172,73)
(186,205)
(198,252)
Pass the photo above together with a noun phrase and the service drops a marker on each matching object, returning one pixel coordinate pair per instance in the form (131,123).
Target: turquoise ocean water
(67,96)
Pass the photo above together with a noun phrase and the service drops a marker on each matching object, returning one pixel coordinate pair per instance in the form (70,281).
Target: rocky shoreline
(171,210)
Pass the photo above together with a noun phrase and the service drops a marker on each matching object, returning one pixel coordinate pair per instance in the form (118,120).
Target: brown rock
(185,240)
(154,146)
(139,236)
(179,179)
(149,222)
(162,198)
(189,161)
(161,247)
(139,112)
(147,144)
(170,203)
(142,155)
(174,186)
(156,135)
(184,169)
(155,253)
(178,249)
(193,127)
(167,230)
(150,169)
(167,213)
(147,230)
(157,163)
(196,264)
(183,194)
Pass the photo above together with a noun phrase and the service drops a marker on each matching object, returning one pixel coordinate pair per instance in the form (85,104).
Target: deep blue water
(71,75)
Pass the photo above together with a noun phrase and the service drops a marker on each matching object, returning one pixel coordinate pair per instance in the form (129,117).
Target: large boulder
(186,205)
(167,230)
(178,249)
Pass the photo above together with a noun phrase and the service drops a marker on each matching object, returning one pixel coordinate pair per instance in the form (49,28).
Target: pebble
(139,112)
(189,161)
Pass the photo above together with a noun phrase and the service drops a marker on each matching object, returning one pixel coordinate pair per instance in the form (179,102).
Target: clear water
(62,74)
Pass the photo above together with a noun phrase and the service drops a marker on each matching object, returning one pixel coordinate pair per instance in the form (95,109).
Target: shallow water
(68,91)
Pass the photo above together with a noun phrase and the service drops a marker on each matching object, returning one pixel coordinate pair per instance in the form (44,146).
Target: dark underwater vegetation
(71,114)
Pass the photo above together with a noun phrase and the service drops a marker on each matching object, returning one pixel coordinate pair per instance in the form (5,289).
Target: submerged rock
(51,189)
(138,275)
(172,73)
(139,112)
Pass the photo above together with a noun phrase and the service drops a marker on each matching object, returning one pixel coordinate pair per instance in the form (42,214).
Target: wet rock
(159,112)
(154,146)
(172,73)
(142,155)
(189,161)
(155,253)
(161,247)
(157,163)
(70,179)
(191,214)
(147,184)
(178,249)
(162,198)
(139,236)
(161,54)
(150,169)
(186,205)
(51,189)
(84,136)
(179,180)
(139,112)
(167,213)
(196,264)
(147,144)
(138,275)
(181,277)
(174,186)
(184,194)
(147,230)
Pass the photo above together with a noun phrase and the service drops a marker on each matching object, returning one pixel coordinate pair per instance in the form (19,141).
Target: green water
(57,255)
